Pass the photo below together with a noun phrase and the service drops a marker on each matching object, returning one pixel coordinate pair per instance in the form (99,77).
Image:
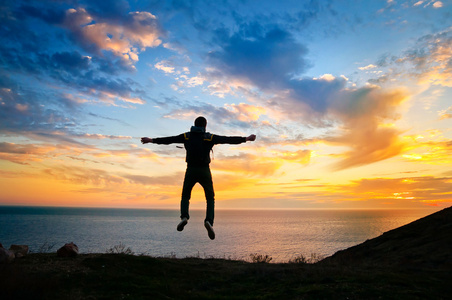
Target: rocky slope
(425,243)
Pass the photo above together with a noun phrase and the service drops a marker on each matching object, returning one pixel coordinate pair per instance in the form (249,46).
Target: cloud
(219,89)
(113,36)
(358,118)
(446,114)
(173,179)
(438,4)
(87,77)
(317,94)
(72,62)
(110,119)
(79,73)
(44,87)
(84,176)
(24,153)
(362,116)
(428,61)
(427,189)
(21,110)
(372,192)
(263,164)
(43,116)
(271,60)
(435,152)
(111,9)
(368,67)
(103,136)
(299,156)
(22,149)
(363,113)
(136,32)
(102,178)
(263,57)
(247,163)
(164,66)
(245,112)
(431,59)
(236,115)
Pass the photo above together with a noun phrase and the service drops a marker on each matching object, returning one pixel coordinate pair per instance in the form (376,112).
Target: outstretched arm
(145,140)
(251,138)
(219,139)
(164,140)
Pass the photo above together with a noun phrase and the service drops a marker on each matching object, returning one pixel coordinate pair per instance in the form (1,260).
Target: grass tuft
(44,248)
(120,249)
(260,258)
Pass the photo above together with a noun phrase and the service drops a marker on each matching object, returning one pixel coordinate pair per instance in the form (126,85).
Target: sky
(350,102)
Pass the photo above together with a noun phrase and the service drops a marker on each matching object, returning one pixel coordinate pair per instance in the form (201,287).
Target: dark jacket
(198,144)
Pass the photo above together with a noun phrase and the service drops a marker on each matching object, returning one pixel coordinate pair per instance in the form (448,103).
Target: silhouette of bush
(301,259)
(44,248)
(120,249)
(260,258)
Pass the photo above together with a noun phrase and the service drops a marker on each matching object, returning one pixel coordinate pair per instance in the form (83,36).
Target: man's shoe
(182,224)
(209,230)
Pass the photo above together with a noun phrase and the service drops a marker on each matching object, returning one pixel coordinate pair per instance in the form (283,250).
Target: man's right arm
(164,140)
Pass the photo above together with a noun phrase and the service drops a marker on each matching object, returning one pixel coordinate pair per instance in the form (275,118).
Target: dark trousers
(202,176)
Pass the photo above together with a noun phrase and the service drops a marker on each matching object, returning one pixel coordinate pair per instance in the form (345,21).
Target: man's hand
(145,140)
(251,138)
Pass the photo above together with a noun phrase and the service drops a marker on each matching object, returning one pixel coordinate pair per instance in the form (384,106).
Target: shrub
(260,258)
(301,259)
(120,249)
(315,258)
(44,248)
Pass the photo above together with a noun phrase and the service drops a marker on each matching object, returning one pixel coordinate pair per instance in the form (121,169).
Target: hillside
(423,244)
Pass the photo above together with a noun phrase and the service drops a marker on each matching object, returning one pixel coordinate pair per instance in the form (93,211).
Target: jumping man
(198,144)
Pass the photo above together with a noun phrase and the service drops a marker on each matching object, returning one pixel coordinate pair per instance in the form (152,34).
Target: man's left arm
(219,139)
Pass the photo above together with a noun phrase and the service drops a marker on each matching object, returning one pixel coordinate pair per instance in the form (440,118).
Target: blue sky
(340,94)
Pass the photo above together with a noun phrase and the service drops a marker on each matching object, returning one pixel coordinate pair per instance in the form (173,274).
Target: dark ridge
(423,244)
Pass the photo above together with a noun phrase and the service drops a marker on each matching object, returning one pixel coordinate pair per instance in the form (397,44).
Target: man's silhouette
(198,143)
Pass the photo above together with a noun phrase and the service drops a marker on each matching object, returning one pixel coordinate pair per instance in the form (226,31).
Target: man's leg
(207,184)
(189,182)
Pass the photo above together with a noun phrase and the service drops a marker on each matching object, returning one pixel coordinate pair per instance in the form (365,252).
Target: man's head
(201,122)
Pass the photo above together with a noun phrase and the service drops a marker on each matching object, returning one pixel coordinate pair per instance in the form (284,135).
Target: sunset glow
(350,102)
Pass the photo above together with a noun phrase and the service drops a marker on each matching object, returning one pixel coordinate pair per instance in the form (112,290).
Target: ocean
(281,234)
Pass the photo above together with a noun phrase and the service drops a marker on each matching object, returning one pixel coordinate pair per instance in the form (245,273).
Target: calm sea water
(280,234)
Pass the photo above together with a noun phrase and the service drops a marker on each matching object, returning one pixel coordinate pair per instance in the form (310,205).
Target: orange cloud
(431,152)
(364,114)
(83,176)
(366,192)
(246,112)
(446,114)
(248,164)
(24,153)
(262,165)
(427,189)
(300,156)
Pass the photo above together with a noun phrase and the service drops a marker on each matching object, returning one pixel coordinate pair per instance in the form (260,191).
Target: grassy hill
(410,262)
(423,244)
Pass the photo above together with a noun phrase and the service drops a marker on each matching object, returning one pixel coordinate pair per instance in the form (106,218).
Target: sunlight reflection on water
(280,234)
